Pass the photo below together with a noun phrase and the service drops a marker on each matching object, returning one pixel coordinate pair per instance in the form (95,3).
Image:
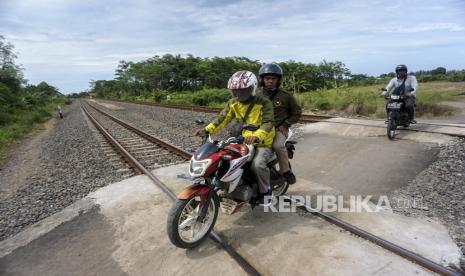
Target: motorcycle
(396,113)
(222,179)
(60,112)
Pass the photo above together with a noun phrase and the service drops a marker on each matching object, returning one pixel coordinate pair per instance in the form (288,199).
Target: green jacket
(260,115)
(286,109)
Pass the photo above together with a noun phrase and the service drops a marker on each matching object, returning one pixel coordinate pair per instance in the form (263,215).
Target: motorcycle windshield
(205,151)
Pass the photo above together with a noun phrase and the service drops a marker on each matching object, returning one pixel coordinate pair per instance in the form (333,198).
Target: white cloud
(82,39)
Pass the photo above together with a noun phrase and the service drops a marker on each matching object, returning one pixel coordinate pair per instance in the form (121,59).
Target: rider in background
(243,85)
(60,111)
(404,85)
(286,113)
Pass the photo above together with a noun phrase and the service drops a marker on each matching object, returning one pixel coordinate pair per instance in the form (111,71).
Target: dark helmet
(270,69)
(401,67)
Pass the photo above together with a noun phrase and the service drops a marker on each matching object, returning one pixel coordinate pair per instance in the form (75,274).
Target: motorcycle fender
(194,190)
(392,115)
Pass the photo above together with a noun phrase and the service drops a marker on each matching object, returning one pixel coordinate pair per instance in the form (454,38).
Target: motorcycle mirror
(199,121)
(250,127)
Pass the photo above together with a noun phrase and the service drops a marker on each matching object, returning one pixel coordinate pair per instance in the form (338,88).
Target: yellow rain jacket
(261,115)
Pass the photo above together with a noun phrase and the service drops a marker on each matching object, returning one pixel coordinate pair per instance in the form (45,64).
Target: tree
(439,71)
(10,74)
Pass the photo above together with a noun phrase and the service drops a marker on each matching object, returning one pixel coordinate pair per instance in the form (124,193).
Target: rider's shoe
(413,121)
(266,199)
(290,177)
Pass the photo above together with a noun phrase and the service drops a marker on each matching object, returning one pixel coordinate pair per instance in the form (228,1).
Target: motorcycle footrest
(228,206)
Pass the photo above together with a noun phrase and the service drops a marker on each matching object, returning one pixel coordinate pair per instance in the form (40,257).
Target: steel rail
(394,248)
(113,143)
(242,262)
(145,135)
(403,129)
(304,118)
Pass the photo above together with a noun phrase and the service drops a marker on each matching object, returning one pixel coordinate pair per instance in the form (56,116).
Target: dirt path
(24,161)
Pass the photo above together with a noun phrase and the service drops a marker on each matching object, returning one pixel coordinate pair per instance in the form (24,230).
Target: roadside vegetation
(366,100)
(327,87)
(23,106)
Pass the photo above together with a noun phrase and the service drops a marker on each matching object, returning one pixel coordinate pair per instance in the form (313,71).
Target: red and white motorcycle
(222,179)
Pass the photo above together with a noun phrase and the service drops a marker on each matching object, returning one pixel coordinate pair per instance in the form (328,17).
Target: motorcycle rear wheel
(182,218)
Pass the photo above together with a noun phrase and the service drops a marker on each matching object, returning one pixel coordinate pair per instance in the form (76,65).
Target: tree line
(15,92)
(178,73)
(21,104)
(175,73)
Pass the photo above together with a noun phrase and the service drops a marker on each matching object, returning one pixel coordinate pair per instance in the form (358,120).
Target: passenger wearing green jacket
(243,85)
(286,113)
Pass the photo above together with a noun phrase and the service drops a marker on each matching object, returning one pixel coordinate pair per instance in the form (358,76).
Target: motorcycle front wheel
(391,129)
(184,229)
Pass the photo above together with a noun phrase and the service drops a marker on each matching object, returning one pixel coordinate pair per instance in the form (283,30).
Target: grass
(206,97)
(365,100)
(17,123)
(358,100)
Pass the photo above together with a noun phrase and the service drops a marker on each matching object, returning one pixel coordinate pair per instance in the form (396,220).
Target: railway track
(151,155)
(122,144)
(314,118)
(248,268)
(305,118)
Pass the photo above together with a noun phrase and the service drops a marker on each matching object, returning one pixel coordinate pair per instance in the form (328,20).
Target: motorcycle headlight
(198,168)
(395,97)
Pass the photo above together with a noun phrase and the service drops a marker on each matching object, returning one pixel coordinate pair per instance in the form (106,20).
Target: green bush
(207,97)
(159,96)
(6,117)
(16,122)
(322,104)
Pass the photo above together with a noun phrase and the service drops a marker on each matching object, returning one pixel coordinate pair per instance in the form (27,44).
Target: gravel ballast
(173,125)
(71,164)
(439,189)
(438,192)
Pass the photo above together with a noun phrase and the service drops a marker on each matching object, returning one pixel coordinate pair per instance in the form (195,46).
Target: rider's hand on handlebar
(250,140)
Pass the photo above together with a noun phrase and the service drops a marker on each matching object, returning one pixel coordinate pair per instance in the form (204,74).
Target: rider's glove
(250,140)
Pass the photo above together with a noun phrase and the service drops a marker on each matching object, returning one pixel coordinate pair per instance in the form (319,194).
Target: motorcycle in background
(60,112)
(397,114)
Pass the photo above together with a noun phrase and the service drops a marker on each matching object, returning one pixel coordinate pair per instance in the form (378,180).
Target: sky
(68,43)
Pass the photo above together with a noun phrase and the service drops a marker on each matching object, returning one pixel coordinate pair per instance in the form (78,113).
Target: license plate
(394,105)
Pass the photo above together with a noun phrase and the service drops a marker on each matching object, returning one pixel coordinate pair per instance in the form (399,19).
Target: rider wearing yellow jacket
(243,85)
(261,115)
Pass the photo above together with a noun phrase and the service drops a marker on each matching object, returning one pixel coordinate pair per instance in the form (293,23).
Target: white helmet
(243,85)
